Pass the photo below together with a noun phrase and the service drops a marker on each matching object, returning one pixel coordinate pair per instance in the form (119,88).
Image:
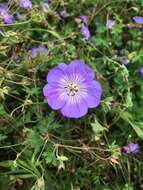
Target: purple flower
(43,49)
(84,19)
(131,148)
(44,5)
(26,4)
(141,70)
(122,51)
(35,51)
(138,19)
(21,16)
(7,18)
(72,89)
(124,61)
(4,8)
(64,14)
(47,1)
(110,23)
(85,31)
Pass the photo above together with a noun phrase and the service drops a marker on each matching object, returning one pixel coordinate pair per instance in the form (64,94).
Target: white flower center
(71,89)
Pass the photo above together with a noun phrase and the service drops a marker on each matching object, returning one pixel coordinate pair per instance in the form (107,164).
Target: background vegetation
(39,148)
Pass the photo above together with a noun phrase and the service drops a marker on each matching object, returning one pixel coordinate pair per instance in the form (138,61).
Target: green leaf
(34,139)
(2,137)
(4,183)
(117,29)
(129,102)
(97,127)
(137,126)
(2,111)
(7,163)
(138,56)
(50,157)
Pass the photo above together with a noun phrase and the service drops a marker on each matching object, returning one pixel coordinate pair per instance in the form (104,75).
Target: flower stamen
(71,89)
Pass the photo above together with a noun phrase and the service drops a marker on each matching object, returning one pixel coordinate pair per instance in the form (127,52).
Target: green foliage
(33,139)
(98,129)
(137,126)
(39,148)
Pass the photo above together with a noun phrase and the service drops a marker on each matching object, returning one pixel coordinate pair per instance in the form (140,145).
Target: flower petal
(94,94)
(78,66)
(55,74)
(126,149)
(141,70)
(53,97)
(110,23)
(73,109)
(62,66)
(84,18)
(34,52)
(4,8)
(8,18)
(138,19)
(133,147)
(85,31)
